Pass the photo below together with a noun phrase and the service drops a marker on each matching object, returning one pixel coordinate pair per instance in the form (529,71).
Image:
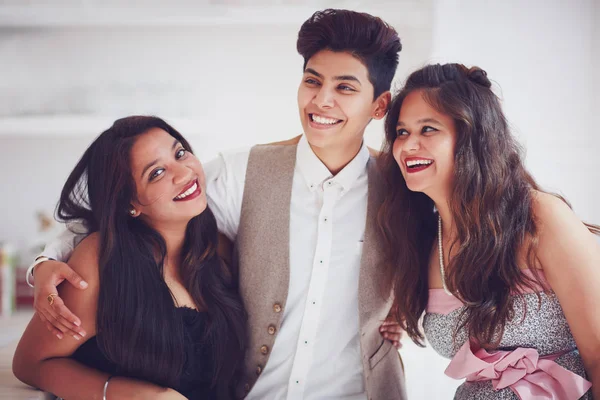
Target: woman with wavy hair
(495,273)
(162,314)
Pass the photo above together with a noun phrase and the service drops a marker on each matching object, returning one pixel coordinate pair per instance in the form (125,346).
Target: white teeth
(323,120)
(412,163)
(188,192)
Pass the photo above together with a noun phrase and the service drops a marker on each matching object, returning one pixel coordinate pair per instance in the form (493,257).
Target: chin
(316,139)
(416,187)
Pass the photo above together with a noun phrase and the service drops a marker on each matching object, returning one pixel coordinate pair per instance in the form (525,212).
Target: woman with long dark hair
(162,314)
(497,274)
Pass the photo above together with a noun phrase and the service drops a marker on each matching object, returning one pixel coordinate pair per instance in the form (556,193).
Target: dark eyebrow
(422,121)
(315,73)
(337,78)
(175,143)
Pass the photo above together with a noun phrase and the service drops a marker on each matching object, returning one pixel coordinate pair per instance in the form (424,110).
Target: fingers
(392,337)
(63,319)
(391,328)
(56,316)
(53,330)
(73,277)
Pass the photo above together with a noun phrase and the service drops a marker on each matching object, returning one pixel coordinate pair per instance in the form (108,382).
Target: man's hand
(390,330)
(51,309)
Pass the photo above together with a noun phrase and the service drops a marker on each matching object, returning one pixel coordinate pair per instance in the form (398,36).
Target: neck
(335,159)
(447,221)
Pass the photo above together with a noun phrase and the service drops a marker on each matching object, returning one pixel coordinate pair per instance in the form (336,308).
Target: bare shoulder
(84,259)
(553,214)
(560,231)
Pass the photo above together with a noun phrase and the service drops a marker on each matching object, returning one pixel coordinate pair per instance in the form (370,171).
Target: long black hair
(137,327)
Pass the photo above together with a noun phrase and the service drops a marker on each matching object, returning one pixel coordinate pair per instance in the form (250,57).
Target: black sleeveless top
(195,381)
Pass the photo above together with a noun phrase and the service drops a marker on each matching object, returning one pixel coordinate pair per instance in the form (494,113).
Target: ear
(381,105)
(133,211)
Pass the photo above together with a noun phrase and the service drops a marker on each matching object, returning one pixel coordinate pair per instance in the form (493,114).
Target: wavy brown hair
(491,205)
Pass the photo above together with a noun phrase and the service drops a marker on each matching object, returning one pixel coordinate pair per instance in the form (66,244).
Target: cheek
(197,166)
(303,97)
(397,151)
(354,107)
(153,194)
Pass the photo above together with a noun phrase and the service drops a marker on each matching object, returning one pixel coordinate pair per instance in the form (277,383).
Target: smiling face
(169,180)
(335,100)
(424,147)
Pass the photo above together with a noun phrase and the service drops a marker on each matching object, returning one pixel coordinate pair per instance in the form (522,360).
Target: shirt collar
(316,173)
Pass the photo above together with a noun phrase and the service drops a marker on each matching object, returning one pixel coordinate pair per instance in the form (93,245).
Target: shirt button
(271,329)
(247,387)
(264,349)
(277,307)
(258,370)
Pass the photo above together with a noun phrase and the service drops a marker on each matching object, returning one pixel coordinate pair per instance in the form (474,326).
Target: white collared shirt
(317,353)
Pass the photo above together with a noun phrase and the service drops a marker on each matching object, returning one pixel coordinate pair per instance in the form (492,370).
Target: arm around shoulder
(42,360)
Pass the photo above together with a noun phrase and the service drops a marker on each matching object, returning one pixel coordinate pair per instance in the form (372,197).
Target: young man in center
(302,215)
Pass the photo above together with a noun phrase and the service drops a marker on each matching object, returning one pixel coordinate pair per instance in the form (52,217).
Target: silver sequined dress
(542,327)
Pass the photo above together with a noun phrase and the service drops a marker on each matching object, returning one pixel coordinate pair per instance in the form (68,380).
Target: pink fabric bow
(528,375)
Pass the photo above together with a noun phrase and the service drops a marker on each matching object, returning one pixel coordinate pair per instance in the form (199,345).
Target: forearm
(69,379)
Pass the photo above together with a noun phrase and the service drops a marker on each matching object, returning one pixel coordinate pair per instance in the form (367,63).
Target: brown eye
(180,153)
(156,173)
(346,88)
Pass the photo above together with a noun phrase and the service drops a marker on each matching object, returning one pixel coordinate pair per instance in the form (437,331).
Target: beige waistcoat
(262,251)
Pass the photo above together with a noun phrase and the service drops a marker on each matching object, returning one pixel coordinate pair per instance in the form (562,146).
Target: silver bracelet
(37,261)
(106,387)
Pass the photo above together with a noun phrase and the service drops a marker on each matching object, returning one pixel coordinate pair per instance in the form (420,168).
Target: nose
(412,143)
(181,173)
(324,98)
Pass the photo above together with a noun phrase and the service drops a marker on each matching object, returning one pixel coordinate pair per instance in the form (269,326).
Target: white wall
(223,86)
(539,53)
(595,49)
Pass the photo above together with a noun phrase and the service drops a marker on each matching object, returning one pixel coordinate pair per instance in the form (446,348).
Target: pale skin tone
(568,253)
(41,359)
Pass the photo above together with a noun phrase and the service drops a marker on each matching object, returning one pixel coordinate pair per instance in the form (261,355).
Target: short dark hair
(368,38)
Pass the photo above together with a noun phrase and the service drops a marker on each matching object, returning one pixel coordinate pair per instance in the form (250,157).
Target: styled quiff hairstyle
(368,38)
